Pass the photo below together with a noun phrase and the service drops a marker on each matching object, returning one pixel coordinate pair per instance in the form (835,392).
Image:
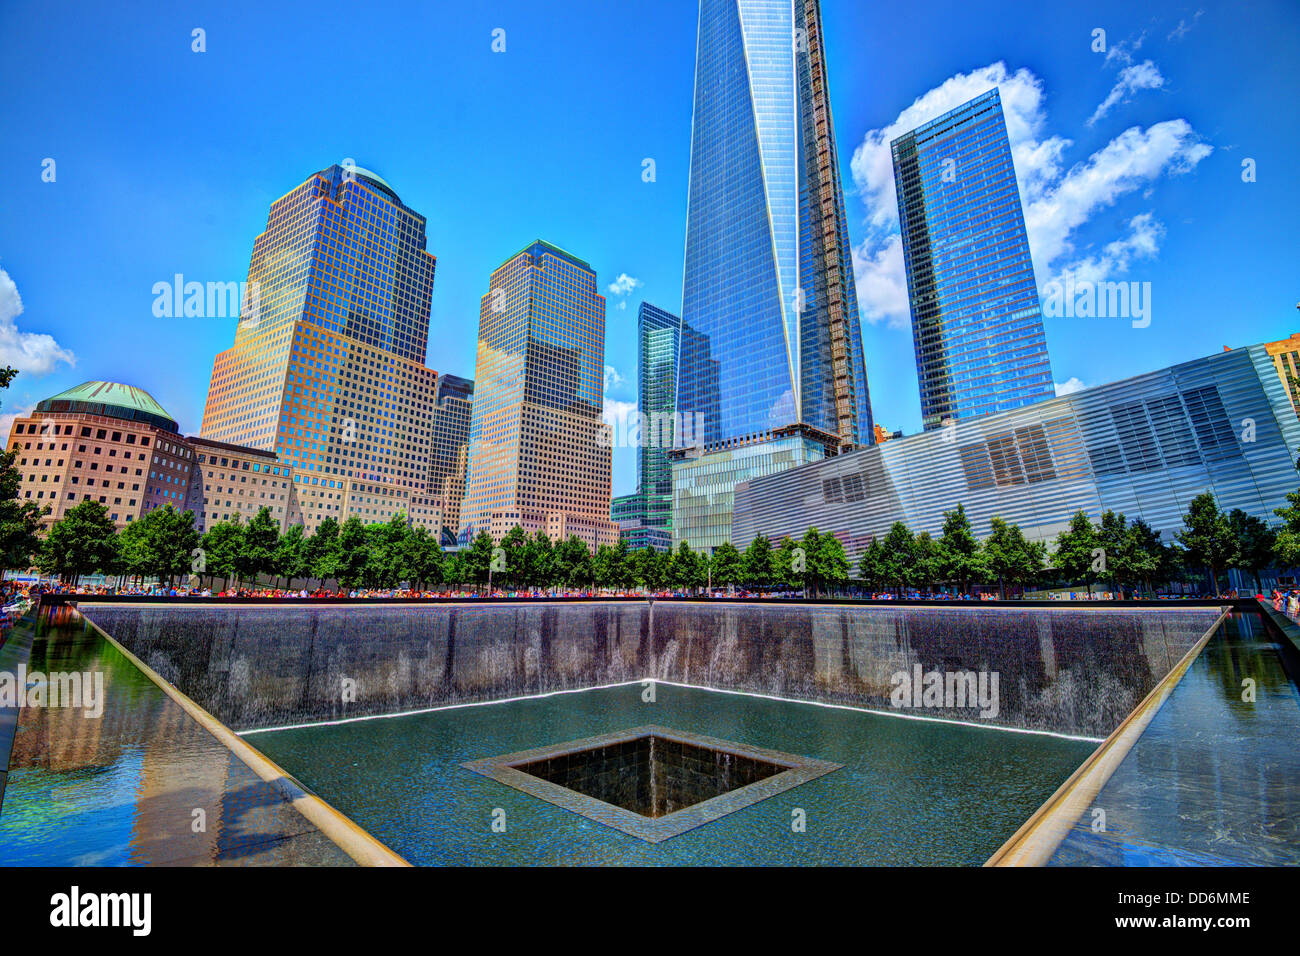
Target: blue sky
(166,161)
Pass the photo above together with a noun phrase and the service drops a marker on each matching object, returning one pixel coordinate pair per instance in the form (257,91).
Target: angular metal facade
(1144,446)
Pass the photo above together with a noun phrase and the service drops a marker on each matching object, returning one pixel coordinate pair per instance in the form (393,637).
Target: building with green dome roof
(112,400)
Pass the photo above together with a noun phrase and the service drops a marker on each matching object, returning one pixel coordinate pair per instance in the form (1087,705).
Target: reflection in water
(142,784)
(1213,778)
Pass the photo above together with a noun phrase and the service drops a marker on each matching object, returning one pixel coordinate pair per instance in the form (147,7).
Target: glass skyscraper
(659,335)
(536,455)
(768,275)
(976,321)
(327,369)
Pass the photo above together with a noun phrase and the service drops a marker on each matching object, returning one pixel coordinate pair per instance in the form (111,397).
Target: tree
(1286,545)
(1074,557)
(477,559)
(222,544)
(320,551)
(759,564)
(959,550)
(514,546)
(625,576)
(686,569)
(161,544)
(422,559)
(83,541)
(727,567)
(539,562)
(290,560)
(1254,544)
(649,565)
(825,561)
(261,538)
(1151,560)
(605,569)
(927,561)
(20,521)
(899,558)
(1207,539)
(386,564)
(873,571)
(573,562)
(786,561)
(353,555)
(1011,557)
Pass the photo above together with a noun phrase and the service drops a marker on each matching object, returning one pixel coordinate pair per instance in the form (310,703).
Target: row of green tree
(165,545)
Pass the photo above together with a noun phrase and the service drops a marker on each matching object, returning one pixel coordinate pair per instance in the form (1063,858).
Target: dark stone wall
(1071,670)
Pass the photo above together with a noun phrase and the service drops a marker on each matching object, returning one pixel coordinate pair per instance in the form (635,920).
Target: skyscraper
(768,275)
(536,453)
(976,321)
(646,516)
(327,369)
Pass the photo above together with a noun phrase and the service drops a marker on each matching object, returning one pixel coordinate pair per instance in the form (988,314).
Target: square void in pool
(651,782)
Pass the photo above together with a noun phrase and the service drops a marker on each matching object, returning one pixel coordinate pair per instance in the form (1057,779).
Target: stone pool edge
(341,830)
(1038,838)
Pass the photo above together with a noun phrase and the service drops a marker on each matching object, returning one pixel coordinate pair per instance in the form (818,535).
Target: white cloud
(1184,28)
(7,421)
(1057,200)
(30,352)
(623,285)
(1070,386)
(615,413)
(612,378)
(1140,76)
(1123,50)
(1142,242)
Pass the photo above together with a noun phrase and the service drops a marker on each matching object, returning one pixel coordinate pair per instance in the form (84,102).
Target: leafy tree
(421,559)
(290,560)
(1074,557)
(222,544)
(1286,546)
(1254,544)
(454,570)
(573,562)
(873,571)
(1011,557)
(539,562)
(352,558)
(927,561)
(261,539)
(1207,539)
(321,551)
(650,567)
(514,547)
(827,564)
(785,561)
(160,544)
(759,564)
(686,569)
(1151,560)
(83,541)
(477,559)
(625,571)
(20,521)
(386,565)
(605,569)
(899,557)
(960,554)
(727,567)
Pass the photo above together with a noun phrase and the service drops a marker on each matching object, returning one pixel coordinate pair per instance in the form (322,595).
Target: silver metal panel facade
(1144,446)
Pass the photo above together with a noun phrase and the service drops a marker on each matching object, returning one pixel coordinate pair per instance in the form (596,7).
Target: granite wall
(1071,670)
